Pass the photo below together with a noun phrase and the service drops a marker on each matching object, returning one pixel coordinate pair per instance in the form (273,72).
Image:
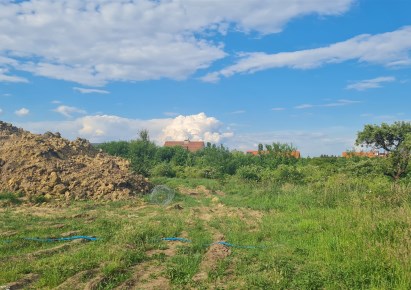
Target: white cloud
(391,49)
(22,112)
(238,112)
(1,111)
(68,111)
(90,91)
(10,79)
(338,103)
(277,109)
(102,128)
(196,127)
(370,84)
(93,42)
(304,106)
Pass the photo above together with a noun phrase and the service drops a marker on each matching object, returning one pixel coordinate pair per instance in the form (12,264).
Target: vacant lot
(343,235)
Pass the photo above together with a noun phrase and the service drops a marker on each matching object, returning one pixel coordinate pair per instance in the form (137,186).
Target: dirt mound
(51,166)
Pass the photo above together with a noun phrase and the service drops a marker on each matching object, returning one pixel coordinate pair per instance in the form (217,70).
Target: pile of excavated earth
(51,166)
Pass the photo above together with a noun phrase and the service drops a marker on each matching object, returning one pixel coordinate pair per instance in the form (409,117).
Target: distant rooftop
(191,146)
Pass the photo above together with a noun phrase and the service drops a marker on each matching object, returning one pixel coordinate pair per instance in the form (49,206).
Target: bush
(210,172)
(365,167)
(189,172)
(163,170)
(287,174)
(37,199)
(250,172)
(9,198)
(312,173)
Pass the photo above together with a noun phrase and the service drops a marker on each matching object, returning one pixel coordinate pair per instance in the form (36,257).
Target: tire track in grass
(43,252)
(22,283)
(218,253)
(149,274)
(77,281)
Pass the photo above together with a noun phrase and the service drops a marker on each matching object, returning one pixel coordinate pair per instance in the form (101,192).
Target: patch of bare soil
(38,211)
(215,254)
(81,280)
(56,249)
(46,252)
(22,283)
(94,283)
(53,167)
(200,190)
(86,217)
(70,233)
(150,275)
(147,275)
(221,211)
(6,234)
(57,226)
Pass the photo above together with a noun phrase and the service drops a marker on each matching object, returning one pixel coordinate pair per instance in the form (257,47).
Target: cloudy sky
(243,72)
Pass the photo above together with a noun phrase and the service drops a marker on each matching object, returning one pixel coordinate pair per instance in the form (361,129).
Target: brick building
(191,146)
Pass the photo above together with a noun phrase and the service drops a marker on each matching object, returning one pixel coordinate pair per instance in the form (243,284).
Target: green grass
(341,234)
(9,198)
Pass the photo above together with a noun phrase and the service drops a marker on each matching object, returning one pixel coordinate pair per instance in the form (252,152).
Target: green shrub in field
(312,173)
(211,172)
(287,174)
(180,157)
(365,167)
(9,198)
(327,165)
(250,172)
(163,170)
(116,148)
(189,172)
(38,199)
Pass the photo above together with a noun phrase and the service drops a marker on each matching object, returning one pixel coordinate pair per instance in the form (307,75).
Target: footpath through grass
(346,234)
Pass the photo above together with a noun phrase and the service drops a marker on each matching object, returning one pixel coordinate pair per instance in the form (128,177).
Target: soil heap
(49,165)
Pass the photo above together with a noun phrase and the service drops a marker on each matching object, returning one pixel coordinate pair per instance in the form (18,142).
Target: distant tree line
(274,164)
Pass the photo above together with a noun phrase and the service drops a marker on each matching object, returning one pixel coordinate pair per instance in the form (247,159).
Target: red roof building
(191,146)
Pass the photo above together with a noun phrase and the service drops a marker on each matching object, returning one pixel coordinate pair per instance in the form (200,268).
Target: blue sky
(307,72)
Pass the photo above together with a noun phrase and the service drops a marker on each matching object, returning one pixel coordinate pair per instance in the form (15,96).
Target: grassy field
(340,235)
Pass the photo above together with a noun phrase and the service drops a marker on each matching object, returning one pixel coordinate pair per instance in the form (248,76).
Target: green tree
(217,157)
(280,149)
(144,135)
(180,156)
(142,153)
(116,148)
(395,139)
(277,153)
